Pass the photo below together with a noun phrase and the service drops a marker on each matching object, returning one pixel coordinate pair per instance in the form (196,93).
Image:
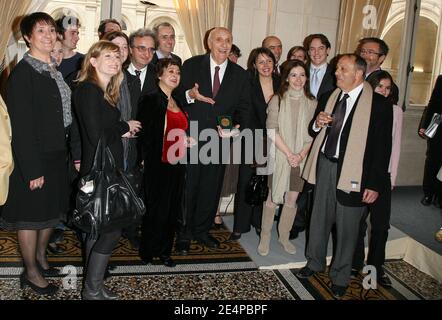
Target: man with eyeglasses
(140,72)
(165,34)
(374,51)
(322,78)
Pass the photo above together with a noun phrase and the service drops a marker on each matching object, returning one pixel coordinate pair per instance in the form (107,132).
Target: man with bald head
(348,164)
(211,86)
(275,45)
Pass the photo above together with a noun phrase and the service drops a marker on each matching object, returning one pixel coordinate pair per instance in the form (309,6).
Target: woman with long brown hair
(288,115)
(95,101)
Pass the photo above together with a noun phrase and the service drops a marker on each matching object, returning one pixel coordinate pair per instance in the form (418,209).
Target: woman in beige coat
(6,163)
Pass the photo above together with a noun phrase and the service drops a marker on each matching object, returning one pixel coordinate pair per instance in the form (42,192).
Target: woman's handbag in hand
(257,190)
(105,198)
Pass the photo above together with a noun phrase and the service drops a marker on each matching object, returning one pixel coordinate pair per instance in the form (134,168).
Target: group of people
(335,128)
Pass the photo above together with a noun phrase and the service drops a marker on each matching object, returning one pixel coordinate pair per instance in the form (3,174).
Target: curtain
(357,21)
(198,16)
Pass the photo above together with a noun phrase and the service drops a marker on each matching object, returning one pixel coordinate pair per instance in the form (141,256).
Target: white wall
(290,20)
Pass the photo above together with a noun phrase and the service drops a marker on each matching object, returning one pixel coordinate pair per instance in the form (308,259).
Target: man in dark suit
(165,34)
(322,78)
(433,187)
(374,51)
(140,72)
(211,86)
(348,163)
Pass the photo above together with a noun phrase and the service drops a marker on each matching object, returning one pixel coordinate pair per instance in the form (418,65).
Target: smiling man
(211,86)
(348,165)
(165,34)
(321,73)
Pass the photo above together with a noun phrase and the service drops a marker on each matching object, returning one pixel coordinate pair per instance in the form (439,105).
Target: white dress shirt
(353,96)
(131,69)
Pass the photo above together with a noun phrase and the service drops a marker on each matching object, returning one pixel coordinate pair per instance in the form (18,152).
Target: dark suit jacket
(174,56)
(233,97)
(328,82)
(435,106)
(149,85)
(377,151)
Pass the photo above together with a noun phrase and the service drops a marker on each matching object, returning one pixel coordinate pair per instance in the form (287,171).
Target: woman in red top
(163,143)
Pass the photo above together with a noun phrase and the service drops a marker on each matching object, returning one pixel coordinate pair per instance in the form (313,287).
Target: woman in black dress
(95,100)
(162,116)
(38,102)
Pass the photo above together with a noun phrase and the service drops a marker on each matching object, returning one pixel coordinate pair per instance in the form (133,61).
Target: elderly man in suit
(211,86)
(6,162)
(347,164)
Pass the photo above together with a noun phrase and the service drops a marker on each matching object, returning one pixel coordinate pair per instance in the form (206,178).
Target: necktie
(314,82)
(335,130)
(216,83)
(137,73)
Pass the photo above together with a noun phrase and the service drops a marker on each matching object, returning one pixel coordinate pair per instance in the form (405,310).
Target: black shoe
(50,272)
(168,261)
(294,233)
(49,290)
(218,226)
(182,248)
(54,248)
(208,241)
(354,274)
(305,273)
(427,200)
(338,291)
(234,236)
(384,281)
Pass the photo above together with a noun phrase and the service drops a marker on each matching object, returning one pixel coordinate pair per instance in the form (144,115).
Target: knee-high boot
(268,213)
(93,286)
(288,215)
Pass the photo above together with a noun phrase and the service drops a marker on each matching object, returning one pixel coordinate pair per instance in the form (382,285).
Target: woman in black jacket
(163,141)
(95,100)
(264,84)
(39,105)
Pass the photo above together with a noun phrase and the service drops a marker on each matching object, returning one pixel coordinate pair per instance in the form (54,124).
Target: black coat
(377,151)
(152,113)
(328,82)
(435,106)
(97,118)
(233,97)
(149,85)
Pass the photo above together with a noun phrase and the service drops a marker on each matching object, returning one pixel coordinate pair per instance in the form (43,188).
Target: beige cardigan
(6,162)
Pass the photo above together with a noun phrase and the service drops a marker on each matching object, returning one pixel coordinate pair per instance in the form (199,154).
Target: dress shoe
(217,225)
(427,200)
(54,248)
(208,241)
(234,236)
(168,261)
(384,281)
(338,291)
(49,290)
(305,273)
(182,248)
(50,272)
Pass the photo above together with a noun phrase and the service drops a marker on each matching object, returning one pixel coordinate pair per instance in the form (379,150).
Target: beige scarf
(295,136)
(352,166)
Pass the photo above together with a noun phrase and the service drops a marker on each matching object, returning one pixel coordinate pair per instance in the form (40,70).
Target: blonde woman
(288,114)
(95,101)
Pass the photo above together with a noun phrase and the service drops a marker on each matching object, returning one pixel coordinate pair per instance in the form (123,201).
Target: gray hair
(162,24)
(140,33)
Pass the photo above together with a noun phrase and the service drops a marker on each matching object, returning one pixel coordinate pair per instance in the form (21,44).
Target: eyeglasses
(144,49)
(370,52)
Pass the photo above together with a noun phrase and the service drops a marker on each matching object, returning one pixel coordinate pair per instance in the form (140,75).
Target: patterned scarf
(65,92)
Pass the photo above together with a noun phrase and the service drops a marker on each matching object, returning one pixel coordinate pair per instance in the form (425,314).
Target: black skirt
(41,208)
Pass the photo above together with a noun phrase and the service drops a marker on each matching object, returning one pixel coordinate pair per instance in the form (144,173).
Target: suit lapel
(206,81)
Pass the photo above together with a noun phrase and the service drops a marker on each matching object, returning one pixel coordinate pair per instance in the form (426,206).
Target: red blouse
(175,120)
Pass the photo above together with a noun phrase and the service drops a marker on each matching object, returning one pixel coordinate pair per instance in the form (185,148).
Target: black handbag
(257,190)
(105,198)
